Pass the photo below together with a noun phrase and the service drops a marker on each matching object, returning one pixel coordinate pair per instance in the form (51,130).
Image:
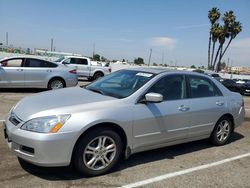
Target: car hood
(58,99)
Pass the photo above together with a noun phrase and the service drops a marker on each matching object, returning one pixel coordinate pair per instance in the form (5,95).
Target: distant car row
(27,72)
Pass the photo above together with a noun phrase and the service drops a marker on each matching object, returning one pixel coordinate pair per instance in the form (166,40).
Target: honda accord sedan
(27,72)
(126,112)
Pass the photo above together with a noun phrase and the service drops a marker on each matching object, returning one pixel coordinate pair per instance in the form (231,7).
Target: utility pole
(51,44)
(7,38)
(149,59)
(162,59)
(93,50)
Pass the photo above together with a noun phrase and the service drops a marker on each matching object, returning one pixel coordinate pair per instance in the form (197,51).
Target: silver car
(26,72)
(126,112)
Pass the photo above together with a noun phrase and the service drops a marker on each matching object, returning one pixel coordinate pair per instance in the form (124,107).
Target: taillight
(72,71)
(109,69)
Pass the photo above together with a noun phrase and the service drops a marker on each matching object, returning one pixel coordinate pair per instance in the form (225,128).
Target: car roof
(26,57)
(164,70)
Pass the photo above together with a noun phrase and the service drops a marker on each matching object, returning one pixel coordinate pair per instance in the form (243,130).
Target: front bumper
(39,148)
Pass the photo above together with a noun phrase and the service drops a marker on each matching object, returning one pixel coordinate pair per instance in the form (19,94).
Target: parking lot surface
(152,166)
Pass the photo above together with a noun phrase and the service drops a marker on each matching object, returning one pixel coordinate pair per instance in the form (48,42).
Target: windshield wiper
(96,90)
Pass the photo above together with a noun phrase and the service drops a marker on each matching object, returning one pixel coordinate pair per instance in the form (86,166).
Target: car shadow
(69,173)
(21,90)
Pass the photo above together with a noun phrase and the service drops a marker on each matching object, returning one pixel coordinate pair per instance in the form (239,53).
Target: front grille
(14,119)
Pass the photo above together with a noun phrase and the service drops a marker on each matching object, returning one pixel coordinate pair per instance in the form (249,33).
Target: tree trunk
(227,47)
(212,58)
(209,49)
(219,62)
(216,56)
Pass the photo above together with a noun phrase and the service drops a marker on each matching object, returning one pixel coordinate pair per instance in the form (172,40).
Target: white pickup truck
(84,67)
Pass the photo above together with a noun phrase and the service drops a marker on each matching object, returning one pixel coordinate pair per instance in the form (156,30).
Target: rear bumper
(240,117)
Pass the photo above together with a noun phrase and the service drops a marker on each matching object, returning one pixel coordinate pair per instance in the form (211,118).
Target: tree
(193,67)
(96,57)
(213,16)
(139,61)
(220,33)
(155,64)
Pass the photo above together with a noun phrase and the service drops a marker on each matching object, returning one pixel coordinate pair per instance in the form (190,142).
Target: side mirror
(154,97)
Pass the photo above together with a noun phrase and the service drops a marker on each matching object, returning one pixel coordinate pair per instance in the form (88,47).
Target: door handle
(19,69)
(49,70)
(219,103)
(183,108)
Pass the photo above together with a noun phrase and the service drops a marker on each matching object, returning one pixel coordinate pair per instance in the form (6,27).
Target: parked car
(213,74)
(27,72)
(233,86)
(126,112)
(84,67)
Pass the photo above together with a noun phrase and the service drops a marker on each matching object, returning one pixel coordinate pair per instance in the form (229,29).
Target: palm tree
(215,31)
(213,15)
(232,29)
(221,38)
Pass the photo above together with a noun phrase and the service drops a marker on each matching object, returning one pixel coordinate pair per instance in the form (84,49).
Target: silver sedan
(27,72)
(126,112)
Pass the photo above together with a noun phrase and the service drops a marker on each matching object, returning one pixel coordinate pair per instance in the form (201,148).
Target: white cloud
(170,43)
(241,43)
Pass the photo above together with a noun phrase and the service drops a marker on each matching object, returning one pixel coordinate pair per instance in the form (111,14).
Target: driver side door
(168,121)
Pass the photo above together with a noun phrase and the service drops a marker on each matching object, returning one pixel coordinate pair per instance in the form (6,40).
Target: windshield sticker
(148,75)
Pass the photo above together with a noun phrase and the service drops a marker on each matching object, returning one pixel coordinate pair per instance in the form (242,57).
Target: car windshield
(59,59)
(121,84)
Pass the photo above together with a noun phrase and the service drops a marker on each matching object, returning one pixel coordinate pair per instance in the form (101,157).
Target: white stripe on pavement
(247,109)
(1,120)
(182,172)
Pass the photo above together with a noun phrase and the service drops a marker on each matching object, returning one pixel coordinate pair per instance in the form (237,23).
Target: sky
(175,30)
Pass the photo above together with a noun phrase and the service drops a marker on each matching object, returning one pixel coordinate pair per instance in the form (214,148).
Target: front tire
(222,131)
(98,75)
(97,152)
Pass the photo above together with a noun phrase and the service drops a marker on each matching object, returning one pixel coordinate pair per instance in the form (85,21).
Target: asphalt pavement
(195,164)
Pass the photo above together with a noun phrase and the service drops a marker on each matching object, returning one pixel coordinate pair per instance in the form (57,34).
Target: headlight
(49,124)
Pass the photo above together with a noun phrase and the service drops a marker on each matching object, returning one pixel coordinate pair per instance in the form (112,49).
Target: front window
(121,84)
(172,87)
(59,59)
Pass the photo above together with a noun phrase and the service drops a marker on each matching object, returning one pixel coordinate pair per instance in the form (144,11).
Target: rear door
(207,105)
(11,73)
(36,72)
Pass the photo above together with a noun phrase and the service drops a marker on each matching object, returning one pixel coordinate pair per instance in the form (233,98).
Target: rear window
(39,63)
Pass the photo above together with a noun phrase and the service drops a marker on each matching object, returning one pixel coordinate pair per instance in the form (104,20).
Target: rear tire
(222,131)
(97,152)
(56,83)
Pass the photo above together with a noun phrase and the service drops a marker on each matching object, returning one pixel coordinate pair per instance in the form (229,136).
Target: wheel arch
(54,78)
(108,125)
(230,116)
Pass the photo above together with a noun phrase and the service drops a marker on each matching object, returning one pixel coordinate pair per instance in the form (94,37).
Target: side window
(172,87)
(79,61)
(73,61)
(202,87)
(83,61)
(12,63)
(33,63)
(68,61)
(49,64)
